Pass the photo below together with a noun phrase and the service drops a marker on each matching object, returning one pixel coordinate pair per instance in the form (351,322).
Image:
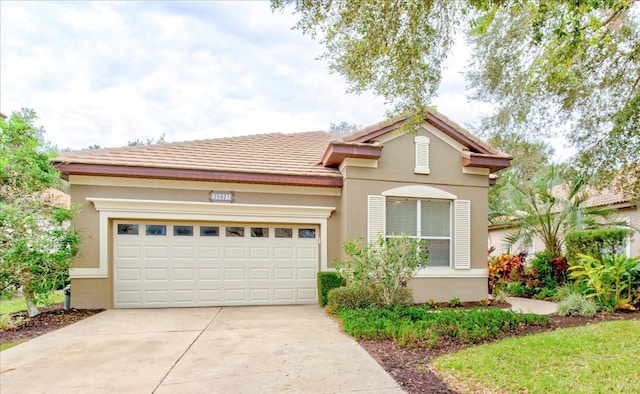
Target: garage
(179,264)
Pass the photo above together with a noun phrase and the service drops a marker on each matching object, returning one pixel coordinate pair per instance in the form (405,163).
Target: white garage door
(167,264)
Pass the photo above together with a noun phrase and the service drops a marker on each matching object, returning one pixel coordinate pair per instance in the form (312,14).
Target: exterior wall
(632,214)
(496,239)
(396,168)
(98,292)
(444,289)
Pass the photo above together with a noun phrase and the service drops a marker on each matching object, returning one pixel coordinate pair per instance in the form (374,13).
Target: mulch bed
(409,367)
(49,319)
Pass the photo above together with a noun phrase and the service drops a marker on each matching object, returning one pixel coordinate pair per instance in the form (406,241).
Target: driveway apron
(265,349)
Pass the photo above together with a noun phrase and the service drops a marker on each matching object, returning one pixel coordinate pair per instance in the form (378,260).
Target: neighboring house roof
(606,197)
(598,198)
(307,158)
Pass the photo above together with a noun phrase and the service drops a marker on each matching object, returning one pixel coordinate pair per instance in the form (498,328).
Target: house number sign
(215,196)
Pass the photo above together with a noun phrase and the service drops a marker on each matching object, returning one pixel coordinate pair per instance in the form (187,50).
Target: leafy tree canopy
(343,128)
(550,66)
(36,240)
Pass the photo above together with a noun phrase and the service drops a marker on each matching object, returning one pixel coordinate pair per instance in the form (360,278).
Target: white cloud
(107,73)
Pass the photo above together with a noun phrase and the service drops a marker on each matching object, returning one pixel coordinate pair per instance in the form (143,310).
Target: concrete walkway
(528,305)
(267,349)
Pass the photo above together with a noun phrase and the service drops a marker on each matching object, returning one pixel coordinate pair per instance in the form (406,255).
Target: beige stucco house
(251,220)
(625,211)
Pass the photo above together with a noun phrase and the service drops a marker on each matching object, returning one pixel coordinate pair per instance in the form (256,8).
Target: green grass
(5,346)
(598,358)
(418,325)
(18,304)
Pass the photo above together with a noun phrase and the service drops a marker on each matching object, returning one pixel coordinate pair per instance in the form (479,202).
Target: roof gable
(476,153)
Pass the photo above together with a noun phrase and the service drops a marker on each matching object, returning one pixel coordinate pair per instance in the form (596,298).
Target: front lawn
(18,304)
(597,358)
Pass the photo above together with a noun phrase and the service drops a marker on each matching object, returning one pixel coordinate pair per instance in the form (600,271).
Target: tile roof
(284,154)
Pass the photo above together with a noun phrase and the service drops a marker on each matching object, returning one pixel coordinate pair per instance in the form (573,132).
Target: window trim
(419,227)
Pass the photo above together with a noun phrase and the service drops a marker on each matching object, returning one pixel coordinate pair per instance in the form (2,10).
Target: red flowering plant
(504,268)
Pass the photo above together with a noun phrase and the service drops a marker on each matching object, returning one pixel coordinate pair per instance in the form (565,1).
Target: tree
(529,157)
(568,66)
(549,206)
(548,65)
(37,242)
(343,128)
(146,141)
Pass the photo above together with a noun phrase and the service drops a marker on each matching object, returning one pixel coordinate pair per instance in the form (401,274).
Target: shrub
(547,271)
(502,268)
(417,325)
(350,297)
(610,281)
(516,289)
(385,267)
(577,305)
(326,281)
(546,293)
(596,243)
(455,302)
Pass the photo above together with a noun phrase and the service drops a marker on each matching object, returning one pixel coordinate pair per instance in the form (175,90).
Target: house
(251,220)
(625,211)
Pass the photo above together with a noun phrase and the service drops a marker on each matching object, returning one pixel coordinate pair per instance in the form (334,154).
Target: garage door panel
(156,274)
(231,253)
(207,270)
(259,294)
(128,252)
(306,273)
(210,296)
(263,253)
(156,252)
(128,298)
(209,273)
(286,253)
(183,252)
(234,295)
(157,296)
(283,273)
(260,273)
(127,274)
(209,252)
(235,274)
(283,294)
(308,293)
(186,274)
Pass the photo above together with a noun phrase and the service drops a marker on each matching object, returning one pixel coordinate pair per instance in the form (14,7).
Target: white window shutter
(375,218)
(462,249)
(422,155)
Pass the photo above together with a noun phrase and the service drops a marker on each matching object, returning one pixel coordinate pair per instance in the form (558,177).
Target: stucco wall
(98,293)
(395,169)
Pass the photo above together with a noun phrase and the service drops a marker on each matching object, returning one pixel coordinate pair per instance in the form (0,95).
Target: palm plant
(550,205)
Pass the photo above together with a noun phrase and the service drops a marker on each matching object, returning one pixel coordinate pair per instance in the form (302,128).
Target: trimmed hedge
(594,242)
(350,297)
(326,281)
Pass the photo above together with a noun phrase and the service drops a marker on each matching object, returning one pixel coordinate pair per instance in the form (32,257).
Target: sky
(107,73)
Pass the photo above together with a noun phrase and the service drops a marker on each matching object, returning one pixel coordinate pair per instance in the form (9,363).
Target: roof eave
(338,151)
(493,163)
(196,175)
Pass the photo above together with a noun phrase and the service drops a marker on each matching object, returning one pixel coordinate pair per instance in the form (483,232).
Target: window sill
(444,272)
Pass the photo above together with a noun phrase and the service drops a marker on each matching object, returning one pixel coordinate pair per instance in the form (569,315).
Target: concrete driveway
(196,350)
